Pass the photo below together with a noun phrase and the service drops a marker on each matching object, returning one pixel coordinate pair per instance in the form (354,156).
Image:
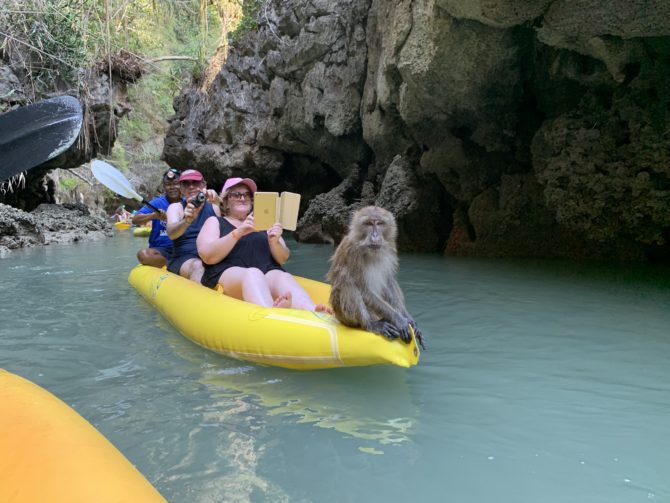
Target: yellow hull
(141,232)
(48,452)
(290,338)
(122,226)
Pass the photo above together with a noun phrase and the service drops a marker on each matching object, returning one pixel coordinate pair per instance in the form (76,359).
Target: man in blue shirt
(160,246)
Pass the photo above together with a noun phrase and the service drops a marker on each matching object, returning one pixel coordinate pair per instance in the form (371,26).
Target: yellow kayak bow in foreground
(290,338)
(49,453)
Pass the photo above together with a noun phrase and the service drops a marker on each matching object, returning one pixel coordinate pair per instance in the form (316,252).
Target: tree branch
(171,58)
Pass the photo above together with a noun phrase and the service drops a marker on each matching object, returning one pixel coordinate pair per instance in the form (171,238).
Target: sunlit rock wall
(285,107)
(511,128)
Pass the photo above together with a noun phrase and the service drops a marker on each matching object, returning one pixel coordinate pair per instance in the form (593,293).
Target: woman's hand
(247,227)
(278,248)
(275,232)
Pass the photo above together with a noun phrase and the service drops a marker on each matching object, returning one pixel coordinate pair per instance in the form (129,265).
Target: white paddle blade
(113,179)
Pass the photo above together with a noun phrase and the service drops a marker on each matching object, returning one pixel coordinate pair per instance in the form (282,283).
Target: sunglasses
(191,183)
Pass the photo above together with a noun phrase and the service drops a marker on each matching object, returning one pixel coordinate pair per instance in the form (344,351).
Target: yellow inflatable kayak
(290,338)
(141,232)
(122,226)
(48,452)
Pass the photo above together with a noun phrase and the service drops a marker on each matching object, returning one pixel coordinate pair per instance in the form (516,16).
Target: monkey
(364,290)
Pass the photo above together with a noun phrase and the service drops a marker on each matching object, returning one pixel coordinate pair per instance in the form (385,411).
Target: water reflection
(368,403)
(233,456)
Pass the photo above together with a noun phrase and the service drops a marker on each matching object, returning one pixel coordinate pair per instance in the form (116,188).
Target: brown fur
(363,272)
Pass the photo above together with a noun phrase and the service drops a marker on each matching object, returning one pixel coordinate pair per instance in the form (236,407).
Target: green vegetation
(49,36)
(68,182)
(247,22)
(168,43)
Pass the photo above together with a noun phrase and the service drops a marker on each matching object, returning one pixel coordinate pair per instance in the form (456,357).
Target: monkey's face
(374,227)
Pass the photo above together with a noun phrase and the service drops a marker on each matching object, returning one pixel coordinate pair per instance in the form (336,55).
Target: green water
(544,382)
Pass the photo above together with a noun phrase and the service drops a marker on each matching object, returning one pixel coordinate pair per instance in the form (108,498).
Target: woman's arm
(212,247)
(278,248)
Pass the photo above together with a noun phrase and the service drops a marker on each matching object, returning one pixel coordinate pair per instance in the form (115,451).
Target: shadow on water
(373,404)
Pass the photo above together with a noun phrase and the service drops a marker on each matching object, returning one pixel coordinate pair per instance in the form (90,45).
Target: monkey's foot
(417,333)
(285,300)
(385,328)
(322,308)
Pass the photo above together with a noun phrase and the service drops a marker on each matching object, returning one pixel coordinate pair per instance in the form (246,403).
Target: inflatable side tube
(289,338)
(49,453)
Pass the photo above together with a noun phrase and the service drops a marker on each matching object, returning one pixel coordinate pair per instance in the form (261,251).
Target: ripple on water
(124,369)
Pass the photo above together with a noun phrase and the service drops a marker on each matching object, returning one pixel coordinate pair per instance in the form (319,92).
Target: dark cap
(171,175)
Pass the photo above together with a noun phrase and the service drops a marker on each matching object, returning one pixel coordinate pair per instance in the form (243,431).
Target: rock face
(285,107)
(488,127)
(47,224)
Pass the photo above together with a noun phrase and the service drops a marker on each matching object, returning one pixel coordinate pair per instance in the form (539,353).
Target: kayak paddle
(33,134)
(114,180)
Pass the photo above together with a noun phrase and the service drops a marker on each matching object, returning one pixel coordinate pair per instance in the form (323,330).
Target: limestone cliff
(489,127)
(49,224)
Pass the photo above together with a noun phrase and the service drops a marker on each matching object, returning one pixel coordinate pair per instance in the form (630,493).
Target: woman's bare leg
(192,269)
(247,284)
(281,283)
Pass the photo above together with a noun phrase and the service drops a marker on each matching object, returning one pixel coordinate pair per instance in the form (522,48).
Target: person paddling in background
(246,262)
(121,214)
(184,221)
(159,250)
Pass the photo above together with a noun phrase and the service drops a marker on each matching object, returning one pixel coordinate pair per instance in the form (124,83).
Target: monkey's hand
(417,333)
(385,328)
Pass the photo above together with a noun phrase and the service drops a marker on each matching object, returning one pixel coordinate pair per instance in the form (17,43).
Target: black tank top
(252,250)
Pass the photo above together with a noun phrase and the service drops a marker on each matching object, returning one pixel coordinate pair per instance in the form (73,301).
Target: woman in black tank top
(246,262)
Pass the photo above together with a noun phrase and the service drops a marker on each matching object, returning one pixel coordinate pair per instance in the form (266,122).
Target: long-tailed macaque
(365,292)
